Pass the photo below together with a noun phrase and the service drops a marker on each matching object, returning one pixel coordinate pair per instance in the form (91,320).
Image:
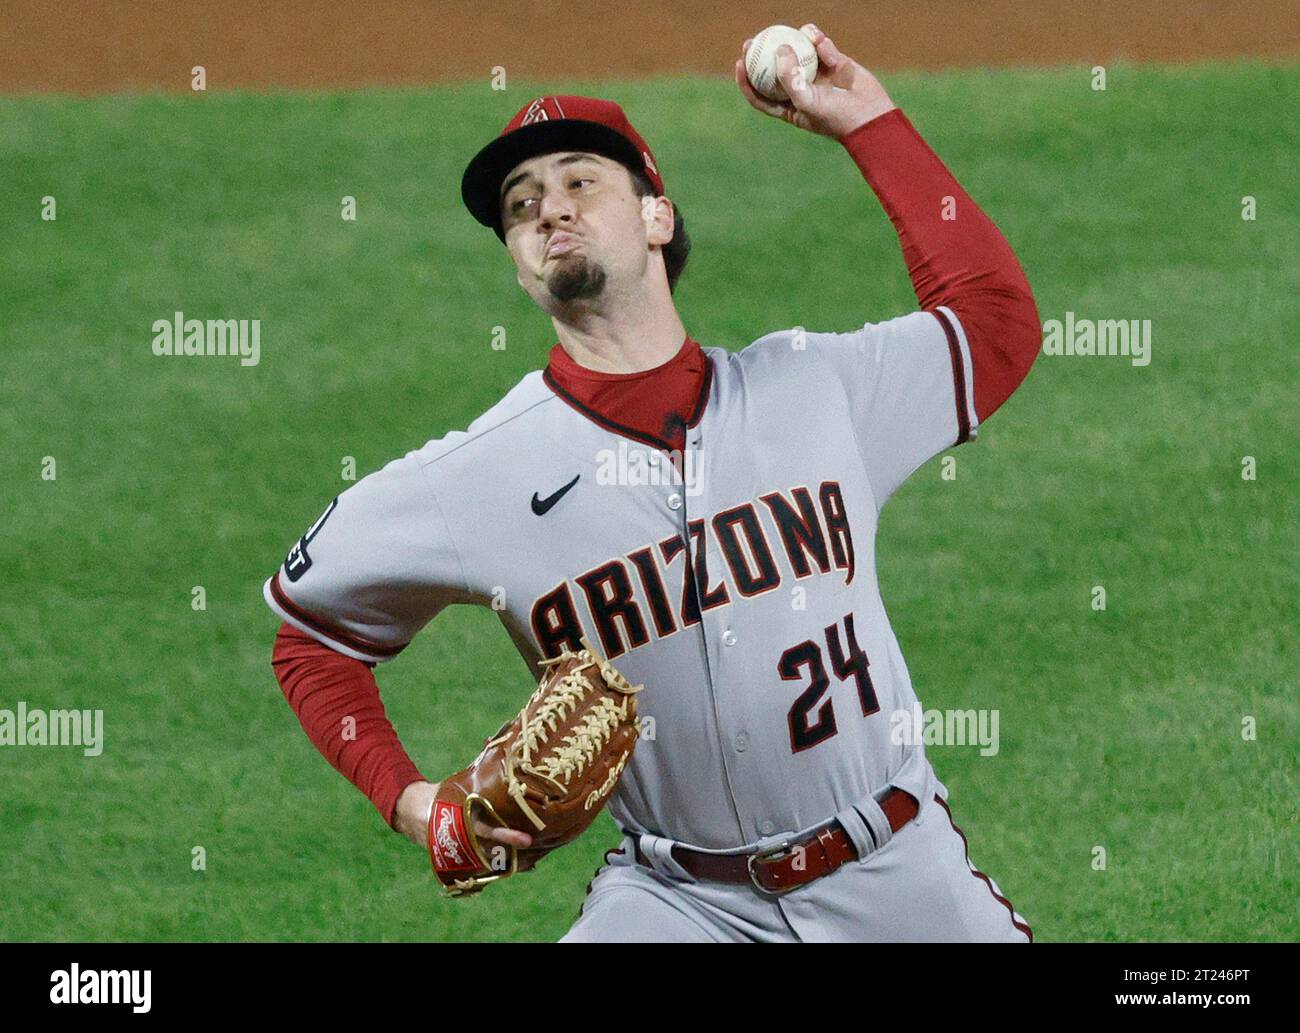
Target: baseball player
(705,518)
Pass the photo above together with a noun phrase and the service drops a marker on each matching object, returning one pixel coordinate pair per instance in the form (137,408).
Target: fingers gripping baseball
(840,97)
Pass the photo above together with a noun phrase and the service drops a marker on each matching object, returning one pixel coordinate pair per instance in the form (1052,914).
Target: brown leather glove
(548,773)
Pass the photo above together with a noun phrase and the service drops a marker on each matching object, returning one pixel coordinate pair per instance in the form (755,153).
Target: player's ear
(657,213)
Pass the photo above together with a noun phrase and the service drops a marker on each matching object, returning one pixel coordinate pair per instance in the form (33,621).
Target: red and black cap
(544,126)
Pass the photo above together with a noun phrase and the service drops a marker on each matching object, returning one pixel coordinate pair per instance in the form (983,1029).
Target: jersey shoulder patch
(298,562)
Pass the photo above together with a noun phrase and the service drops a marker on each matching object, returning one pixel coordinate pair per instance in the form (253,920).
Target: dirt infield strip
(89,46)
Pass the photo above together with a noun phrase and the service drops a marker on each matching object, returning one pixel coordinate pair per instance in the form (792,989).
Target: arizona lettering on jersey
(809,536)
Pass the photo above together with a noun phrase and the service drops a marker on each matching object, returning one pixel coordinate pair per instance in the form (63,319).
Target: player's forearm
(336,700)
(951,247)
(956,256)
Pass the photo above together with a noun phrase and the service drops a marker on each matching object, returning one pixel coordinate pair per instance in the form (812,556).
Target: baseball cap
(546,125)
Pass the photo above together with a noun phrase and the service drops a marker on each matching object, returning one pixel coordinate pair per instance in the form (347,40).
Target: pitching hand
(844,96)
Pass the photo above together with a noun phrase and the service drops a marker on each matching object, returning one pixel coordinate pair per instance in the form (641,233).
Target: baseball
(760,59)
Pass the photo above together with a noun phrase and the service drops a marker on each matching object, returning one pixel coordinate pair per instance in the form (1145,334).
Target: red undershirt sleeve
(324,688)
(955,256)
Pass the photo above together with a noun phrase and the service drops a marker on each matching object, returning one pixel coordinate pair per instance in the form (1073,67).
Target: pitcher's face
(574,226)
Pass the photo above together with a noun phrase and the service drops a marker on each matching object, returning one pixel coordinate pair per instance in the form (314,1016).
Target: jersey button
(741,742)
(728,638)
(767,828)
(674,501)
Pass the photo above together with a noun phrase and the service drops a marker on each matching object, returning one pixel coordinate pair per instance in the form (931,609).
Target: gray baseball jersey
(738,585)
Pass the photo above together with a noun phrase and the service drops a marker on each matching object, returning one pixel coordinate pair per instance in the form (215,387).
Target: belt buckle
(767,855)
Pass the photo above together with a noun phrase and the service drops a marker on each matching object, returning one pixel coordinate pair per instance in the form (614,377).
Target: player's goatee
(576,279)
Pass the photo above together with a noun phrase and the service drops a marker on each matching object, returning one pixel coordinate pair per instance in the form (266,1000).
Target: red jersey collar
(654,406)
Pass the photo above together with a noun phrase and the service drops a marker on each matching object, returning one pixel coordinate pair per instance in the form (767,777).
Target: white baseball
(760,59)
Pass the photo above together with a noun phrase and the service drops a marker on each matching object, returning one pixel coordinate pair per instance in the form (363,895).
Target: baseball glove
(548,773)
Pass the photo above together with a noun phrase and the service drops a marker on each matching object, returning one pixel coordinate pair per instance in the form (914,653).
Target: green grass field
(1120,729)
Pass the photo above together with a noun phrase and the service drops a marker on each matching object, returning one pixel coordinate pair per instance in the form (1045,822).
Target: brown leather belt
(792,864)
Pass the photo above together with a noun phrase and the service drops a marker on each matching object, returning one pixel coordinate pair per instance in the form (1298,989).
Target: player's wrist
(865,116)
(411,816)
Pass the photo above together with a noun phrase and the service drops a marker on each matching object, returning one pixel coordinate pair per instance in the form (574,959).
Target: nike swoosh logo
(543,506)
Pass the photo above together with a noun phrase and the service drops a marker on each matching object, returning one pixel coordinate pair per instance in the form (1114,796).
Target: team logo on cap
(537,111)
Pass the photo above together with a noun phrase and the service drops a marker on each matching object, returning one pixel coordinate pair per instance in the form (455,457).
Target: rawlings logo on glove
(449,839)
(548,772)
